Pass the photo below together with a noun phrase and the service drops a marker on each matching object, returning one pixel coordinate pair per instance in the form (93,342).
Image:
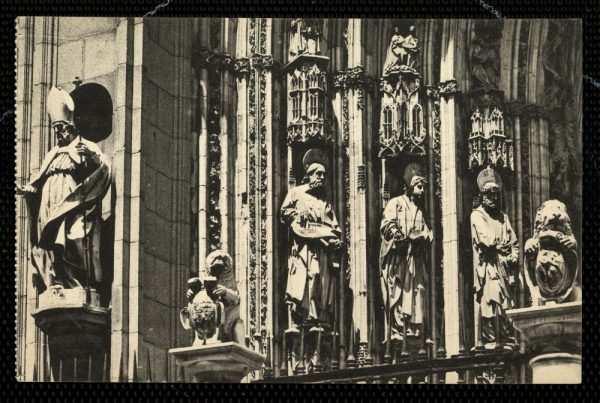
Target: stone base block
(217,363)
(562,368)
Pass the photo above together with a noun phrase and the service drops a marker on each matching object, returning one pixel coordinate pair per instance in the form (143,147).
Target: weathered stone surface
(73,28)
(100,55)
(70,56)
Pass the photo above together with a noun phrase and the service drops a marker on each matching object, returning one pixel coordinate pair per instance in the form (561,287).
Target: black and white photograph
(299,200)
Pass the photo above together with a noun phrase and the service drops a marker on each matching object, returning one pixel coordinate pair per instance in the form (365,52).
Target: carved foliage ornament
(205,58)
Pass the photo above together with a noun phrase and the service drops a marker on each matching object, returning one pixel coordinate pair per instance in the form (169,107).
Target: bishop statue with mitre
(64,200)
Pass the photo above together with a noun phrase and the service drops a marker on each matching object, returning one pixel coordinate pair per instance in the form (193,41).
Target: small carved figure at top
(401,53)
(306,37)
(213,309)
(552,272)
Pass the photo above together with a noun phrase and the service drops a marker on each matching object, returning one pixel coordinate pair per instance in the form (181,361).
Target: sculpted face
(64,134)
(491,198)
(217,267)
(317,178)
(418,190)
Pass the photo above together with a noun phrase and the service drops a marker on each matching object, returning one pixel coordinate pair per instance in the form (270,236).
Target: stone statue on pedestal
(64,201)
(495,257)
(401,53)
(315,233)
(213,309)
(552,273)
(305,37)
(405,244)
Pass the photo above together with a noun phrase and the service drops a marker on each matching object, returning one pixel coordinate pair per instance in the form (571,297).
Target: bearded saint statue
(64,201)
(495,257)
(311,281)
(405,244)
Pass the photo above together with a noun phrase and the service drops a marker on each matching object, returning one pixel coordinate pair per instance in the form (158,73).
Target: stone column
(26,293)
(124,269)
(358,205)
(225,125)
(203,154)
(539,158)
(449,183)
(241,171)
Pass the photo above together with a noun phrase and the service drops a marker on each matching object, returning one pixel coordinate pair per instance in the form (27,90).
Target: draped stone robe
(65,209)
(311,283)
(492,268)
(404,277)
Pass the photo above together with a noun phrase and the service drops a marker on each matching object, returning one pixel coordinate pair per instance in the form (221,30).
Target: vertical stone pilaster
(358,206)
(122,166)
(449,183)
(240,202)
(538,125)
(26,293)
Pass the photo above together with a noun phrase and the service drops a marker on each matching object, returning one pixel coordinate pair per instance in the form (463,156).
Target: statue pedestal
(552,333)
(78,333)
(217,363)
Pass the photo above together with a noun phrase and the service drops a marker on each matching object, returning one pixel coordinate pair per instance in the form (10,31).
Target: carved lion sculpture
(219,289)
(554,251)
(202,314)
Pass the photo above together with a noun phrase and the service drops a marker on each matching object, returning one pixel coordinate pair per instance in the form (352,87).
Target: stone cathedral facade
(207,124)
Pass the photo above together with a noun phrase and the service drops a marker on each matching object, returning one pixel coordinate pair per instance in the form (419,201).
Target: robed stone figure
(405,245)
(65,200)
(495,257)
(315,238)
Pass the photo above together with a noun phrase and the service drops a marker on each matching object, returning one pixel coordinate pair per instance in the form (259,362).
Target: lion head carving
(552,216)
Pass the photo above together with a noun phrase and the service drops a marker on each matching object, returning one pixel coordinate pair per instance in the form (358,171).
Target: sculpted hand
(335,243)
(531,246)
(568,241)
(26,189)
(189,294)
(398,236)
(84,151)
(415,234)
(220,291)
(504,248)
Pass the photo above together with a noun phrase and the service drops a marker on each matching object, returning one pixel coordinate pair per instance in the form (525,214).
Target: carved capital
(432,92)
(221,61)
(448,88)
(259,61)
(241,66)
(354,77)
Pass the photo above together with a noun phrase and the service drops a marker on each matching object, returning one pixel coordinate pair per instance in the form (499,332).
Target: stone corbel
(448,88)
